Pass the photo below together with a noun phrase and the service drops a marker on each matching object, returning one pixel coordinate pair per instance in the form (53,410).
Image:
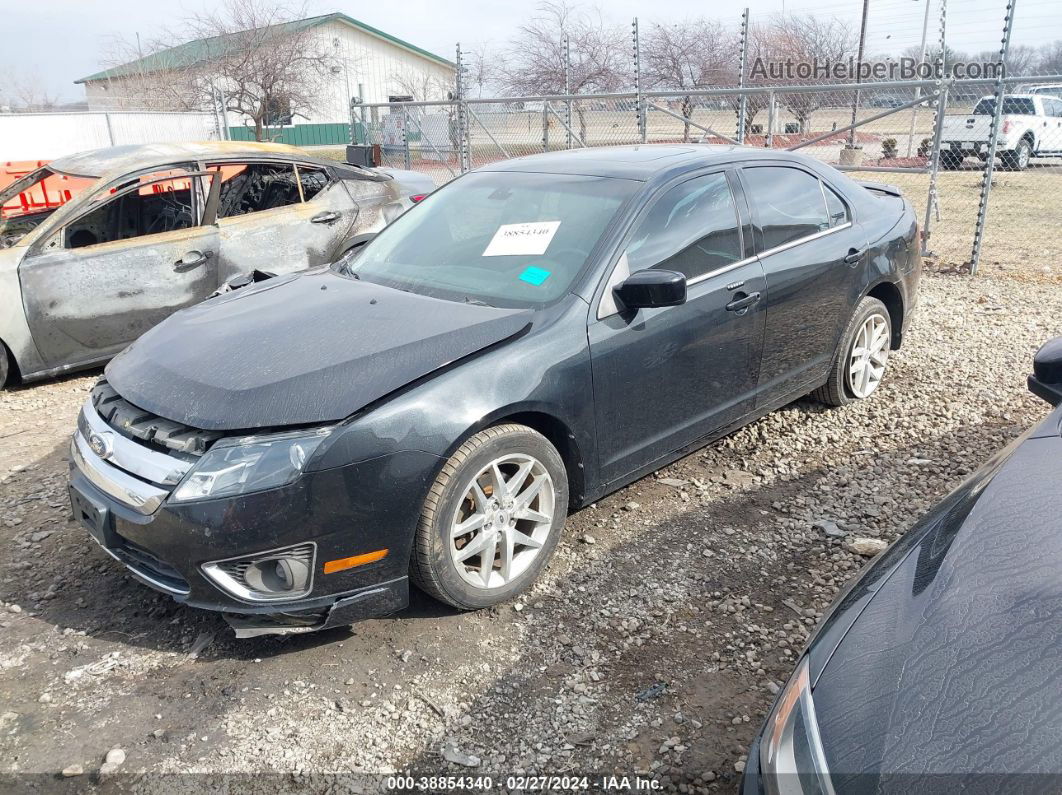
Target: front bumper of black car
(362,511)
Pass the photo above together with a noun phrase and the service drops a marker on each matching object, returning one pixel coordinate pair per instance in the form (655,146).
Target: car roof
(98,162)
(640,162)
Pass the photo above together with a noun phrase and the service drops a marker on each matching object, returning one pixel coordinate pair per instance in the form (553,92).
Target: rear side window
(313,181)
(788,204)
(692,229)
(254,187)
(1012,106)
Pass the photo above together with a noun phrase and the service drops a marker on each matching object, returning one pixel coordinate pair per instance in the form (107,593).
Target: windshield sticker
(525,240)
(535,276)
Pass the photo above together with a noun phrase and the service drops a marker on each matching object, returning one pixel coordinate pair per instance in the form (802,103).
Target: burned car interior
(146,206)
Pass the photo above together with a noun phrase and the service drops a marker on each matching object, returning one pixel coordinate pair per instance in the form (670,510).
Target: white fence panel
(46,136)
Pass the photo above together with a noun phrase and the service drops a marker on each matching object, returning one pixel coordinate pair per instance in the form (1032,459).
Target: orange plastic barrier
(55,191)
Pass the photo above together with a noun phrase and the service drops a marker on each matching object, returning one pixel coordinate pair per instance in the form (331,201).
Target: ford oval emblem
(100,444)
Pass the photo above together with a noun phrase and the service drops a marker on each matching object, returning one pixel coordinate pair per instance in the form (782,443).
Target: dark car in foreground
(936,671)
(532,336)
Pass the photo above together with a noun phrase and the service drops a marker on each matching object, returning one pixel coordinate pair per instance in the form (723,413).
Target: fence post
(639,101)
(407,159)
(940,108)
(464,130)
(993,139)
(110,129)
(568,90)
(545,125)
(741,75)
(353,121)
(771,111)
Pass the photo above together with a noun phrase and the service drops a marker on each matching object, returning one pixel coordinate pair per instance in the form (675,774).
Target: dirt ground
(672,612)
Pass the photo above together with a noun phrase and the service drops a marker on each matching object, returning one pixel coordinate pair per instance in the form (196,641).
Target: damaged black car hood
(310,348)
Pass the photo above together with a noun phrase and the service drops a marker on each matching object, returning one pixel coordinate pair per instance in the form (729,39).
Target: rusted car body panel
(68,304)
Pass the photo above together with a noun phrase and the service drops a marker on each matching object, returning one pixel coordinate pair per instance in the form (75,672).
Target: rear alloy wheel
(492,519)
(1018,158)
(5,365)
(859,364)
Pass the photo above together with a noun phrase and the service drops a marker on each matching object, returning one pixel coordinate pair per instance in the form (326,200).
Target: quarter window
(788,202)
(835,206)
(692,229)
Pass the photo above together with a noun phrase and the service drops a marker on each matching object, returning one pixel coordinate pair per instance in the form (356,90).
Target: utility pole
(859,72)
(918,91)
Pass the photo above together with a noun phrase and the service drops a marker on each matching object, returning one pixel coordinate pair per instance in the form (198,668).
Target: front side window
(788,204)
(693,229)
(514,239)
(149,204)
(254,187)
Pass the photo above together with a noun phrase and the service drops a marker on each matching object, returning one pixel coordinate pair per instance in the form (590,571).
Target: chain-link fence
(930,138)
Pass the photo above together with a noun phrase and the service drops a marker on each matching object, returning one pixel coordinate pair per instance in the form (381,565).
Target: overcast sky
(61,40)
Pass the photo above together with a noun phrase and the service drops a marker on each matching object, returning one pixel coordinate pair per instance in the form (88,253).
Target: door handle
(191,259)
(853,256)
(327,217)
(742,303)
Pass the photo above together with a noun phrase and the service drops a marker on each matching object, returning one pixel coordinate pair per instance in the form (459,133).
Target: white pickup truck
(1031,126)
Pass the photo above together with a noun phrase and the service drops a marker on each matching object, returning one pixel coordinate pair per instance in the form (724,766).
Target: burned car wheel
(491,519)
(5,365)
(859,365)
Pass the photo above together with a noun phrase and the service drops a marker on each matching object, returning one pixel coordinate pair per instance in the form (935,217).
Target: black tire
(5,366)
(1017,159)
(431,565)
(950,160)
(836,390)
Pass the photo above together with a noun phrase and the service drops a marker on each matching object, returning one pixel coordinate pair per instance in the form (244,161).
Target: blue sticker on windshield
(534,275)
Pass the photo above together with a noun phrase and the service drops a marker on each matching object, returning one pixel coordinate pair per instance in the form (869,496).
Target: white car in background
(1031,126)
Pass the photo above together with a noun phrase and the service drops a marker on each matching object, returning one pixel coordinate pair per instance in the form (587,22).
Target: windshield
(508,239)
(1012,106)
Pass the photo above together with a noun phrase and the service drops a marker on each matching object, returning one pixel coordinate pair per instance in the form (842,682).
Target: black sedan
(533,336)
(935,671)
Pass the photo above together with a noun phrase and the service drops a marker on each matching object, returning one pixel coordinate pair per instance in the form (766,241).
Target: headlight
(250,463)
(792,761)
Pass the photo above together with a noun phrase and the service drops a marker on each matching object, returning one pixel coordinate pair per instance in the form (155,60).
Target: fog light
(276,575)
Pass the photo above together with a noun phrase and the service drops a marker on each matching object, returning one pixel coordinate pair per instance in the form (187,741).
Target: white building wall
(381,68)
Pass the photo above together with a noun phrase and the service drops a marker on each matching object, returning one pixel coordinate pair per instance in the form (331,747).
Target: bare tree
(688,55)
(1050,62)
(484,71)
(599,54)
(420,85)
(25,91)
(810,39)
(266,69)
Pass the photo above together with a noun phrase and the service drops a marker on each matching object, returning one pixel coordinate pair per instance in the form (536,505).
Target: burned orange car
(142,231)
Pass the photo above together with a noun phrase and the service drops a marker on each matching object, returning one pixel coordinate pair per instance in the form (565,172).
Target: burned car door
(136,254)
(279,216)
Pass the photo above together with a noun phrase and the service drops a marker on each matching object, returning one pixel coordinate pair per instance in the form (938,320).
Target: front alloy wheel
(502,521)
(492,518)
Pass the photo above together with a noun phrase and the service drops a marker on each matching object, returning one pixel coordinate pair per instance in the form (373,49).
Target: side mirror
(1046,379)
(652,288)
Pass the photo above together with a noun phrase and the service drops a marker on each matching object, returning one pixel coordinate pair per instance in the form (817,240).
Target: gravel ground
(673,610)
